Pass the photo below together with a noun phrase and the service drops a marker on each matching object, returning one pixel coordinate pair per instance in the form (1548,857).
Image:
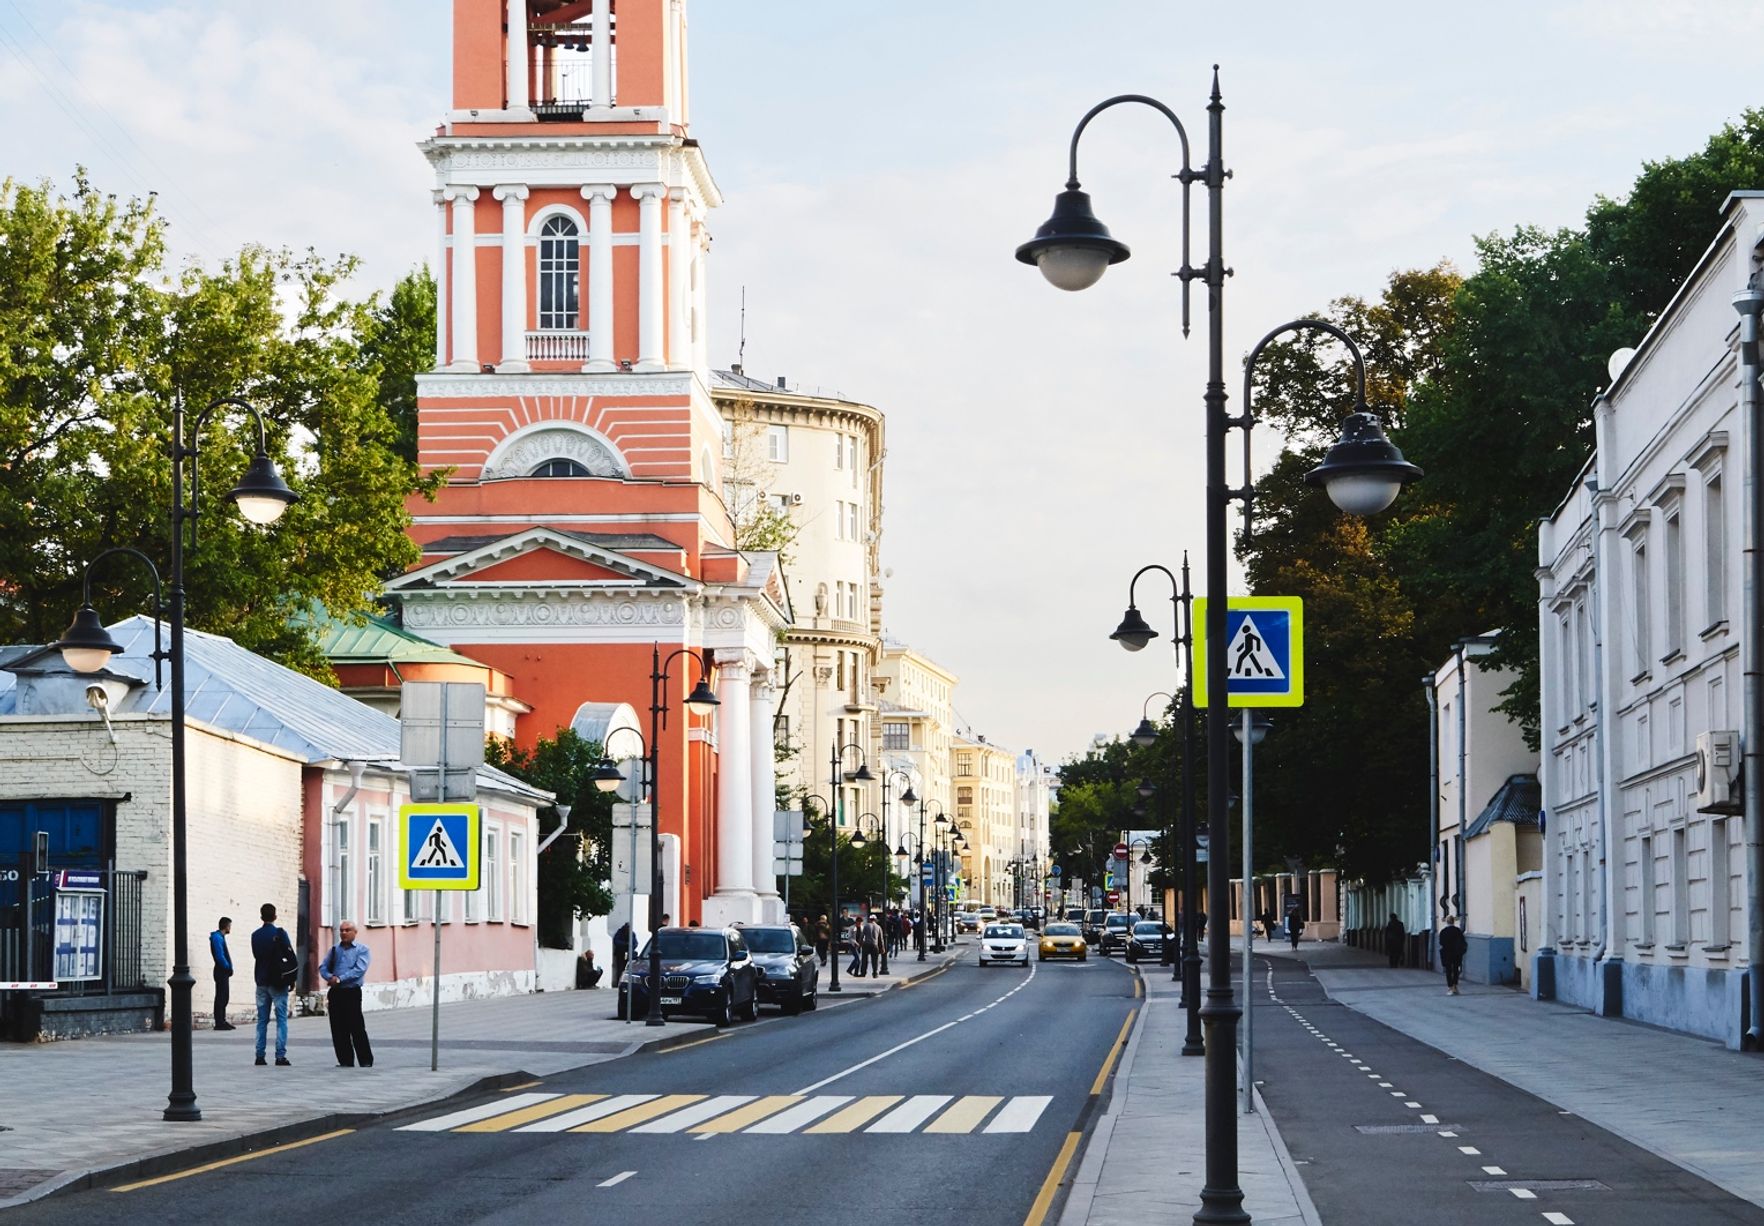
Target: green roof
(378,640)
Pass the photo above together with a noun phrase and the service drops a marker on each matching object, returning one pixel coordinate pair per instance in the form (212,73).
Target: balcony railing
(557,346)
(562,68)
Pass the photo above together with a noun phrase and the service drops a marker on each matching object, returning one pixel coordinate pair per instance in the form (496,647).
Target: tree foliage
(866,874)
(98,341)
(575,871)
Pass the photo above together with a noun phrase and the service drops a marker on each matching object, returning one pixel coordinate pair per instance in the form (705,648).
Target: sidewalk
(73,1110)
(1689,1100)
(1146,1159)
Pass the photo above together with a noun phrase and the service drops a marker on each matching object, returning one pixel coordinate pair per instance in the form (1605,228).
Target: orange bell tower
(583,525)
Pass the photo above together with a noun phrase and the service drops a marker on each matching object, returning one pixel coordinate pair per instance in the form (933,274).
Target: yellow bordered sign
(439,847)
(1265,652)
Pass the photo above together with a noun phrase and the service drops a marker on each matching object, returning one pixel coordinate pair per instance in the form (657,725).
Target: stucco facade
(1640,626)
(985,783)
(916,700)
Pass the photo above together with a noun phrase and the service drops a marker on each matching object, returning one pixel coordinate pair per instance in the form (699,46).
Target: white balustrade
(557,346)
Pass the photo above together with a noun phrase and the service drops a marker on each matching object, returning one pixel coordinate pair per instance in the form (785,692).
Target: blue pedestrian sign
(438,847)
(1264,655)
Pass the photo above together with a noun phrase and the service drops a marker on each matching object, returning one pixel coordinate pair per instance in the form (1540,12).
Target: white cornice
(448,385)
(571,159)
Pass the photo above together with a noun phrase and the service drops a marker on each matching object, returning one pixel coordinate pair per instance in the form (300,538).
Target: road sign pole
(435,990)
(1247,910)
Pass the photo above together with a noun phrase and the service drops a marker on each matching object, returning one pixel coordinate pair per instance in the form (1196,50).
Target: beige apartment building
(985,783)
(915,697)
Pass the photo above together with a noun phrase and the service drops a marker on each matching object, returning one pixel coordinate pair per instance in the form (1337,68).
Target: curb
(1307,1208)
(1081,1194)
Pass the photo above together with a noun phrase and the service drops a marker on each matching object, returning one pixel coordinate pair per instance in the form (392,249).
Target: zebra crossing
(706,1115)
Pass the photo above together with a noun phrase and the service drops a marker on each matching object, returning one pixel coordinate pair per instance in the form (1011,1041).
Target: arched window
(560,276)
(562,468)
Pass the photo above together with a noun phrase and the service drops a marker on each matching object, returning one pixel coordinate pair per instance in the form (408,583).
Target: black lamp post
(858,839)
(606,778)
(940,827)
(700,702)
(261,497)
(908,798)
(914,861)
(835,780)
(1073,249)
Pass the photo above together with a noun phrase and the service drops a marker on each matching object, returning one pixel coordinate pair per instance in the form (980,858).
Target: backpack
(287,963)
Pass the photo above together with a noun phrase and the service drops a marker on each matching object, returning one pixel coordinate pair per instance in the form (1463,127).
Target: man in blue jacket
(275,968)
(223,972)
(344,968)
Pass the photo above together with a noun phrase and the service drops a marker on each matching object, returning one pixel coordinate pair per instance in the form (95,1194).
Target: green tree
(399,345)
(863,871)
(574,872)
(98,342)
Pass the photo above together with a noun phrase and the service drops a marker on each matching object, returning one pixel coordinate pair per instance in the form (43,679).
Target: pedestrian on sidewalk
(1451,953)
(872,947)
(344,968)
(856,932)
(587,974)
(621,952)
(823,938)
(274,968)
(1269,924)
(223,972)
(1295,923)
(1395,936)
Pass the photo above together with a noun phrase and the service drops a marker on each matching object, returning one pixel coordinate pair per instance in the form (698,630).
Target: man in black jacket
(1451,952)
(274,968)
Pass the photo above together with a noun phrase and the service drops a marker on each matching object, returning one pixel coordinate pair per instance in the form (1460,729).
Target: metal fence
(28,937)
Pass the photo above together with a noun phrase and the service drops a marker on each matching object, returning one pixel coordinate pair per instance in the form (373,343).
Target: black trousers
(222,994)
(1453,968)
(348,1030)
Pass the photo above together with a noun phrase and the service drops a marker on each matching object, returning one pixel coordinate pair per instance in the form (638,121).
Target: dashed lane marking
(616,1180)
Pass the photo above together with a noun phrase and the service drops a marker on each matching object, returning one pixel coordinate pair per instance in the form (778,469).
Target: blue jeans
(266,996)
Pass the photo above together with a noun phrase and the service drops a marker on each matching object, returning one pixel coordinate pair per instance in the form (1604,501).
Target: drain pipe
(1428,875)
(1749,302)
(1463,895)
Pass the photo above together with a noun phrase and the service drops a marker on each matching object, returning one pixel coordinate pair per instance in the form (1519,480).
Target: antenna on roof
(741,351)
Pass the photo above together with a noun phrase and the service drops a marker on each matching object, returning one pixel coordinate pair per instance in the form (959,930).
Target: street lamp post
(606,778)
(261,497)
(700,701)
(1253,726)
(940,828)
(835,778)
(1073,249)
(1145,857)
(914,861)
(858,839)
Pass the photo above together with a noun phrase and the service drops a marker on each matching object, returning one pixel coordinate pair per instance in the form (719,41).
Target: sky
(880,163)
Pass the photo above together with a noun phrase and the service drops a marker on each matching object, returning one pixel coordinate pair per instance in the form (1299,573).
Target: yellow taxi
(1062,941)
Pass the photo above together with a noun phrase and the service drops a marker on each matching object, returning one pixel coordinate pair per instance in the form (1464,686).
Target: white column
(517,55)
(465,279)
(650,297)
(600,276)
(701,300)
(765,801)
(679,260)
(441,281)
(602,50)
(514,278)
(734,900)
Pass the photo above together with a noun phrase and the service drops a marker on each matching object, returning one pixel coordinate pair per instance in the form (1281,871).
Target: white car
(1004,943)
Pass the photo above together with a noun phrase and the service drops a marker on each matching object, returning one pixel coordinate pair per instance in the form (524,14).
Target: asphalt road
(949,1100)
(1387,1130)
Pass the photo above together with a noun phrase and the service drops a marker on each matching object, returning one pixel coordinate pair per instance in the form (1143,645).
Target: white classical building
(916,699)
(1641,617)
(816,458)
(1034,794)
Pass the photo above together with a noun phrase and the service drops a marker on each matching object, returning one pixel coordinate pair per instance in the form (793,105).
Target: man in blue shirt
(344,968)
(274,967)
(223,972)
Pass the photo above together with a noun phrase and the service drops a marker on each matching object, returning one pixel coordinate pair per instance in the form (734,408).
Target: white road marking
(1430,1119)
(1559,1219)
(1444,1133)
(1468,1149)
(800,1115)
(863,1064)
(1383,1085)
(1398,1094)
(1493,1170)
(593,1111)
(697,1113)
(910,1114)
(1413,1106)
(472,1115)
(1523,1193)
(1020,1114)
(616,1180)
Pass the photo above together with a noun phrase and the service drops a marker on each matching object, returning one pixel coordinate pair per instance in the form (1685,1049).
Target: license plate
(670,1000)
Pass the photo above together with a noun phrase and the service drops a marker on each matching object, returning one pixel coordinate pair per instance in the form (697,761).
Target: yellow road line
(640,1114)
(526,1115)
(964,1114)
(752,1113)
(1138,986)
(1051,1185)
(215,1166)
(913,983)
(861,1112)
(1114,1051)
(695,1043)
(525,1085)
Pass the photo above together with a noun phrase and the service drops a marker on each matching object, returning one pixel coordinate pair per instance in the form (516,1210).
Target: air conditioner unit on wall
(1717,778)
(796,500)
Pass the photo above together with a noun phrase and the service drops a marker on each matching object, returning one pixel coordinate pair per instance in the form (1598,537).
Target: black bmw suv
(707,971)
(789,974)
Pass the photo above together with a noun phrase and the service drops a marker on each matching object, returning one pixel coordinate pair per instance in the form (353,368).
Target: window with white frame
(838,520)
(778,444)
(1566,691)
(838,452)
(1589,677)
(1720,883)
(851,522)
(493,874)
(473,900)
(1644,870)
(1714,550)
(517,876)
(376,871)
(1640,598)
(411,905)
(559,276)
(343,880)
(1680,889)
(851,449)
(1674,587)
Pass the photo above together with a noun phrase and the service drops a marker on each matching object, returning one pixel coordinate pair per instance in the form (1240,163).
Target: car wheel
(725,1015)
(750,1011)
(814,997)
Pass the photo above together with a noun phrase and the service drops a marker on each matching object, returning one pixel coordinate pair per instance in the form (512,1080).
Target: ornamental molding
(458,385)
(526,449)
(560,610)
(566,159)
(450,571)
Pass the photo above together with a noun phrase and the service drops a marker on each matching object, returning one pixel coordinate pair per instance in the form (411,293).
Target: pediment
(544,557)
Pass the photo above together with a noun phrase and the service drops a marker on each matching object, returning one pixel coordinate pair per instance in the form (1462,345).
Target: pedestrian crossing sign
(1264,655)
(438,847)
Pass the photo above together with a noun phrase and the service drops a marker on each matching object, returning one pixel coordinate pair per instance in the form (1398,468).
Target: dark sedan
(1147,942)
(707,971)
(789,974)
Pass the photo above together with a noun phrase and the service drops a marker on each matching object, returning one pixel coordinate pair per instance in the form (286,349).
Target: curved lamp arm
(160,654)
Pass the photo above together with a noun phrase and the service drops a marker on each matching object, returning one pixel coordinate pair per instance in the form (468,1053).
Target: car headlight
(710,980)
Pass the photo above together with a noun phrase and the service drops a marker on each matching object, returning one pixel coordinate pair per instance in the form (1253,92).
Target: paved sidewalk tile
(1146,1159)
(1689,1100)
